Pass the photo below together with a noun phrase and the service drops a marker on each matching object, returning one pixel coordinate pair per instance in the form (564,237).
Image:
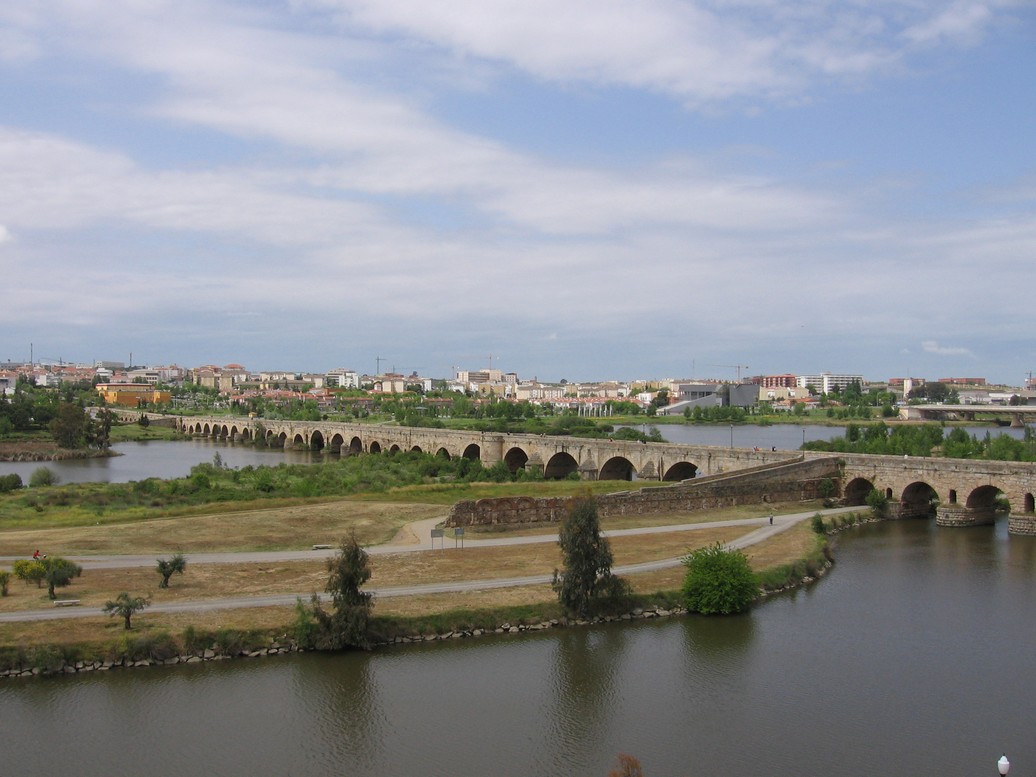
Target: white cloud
(5,234)
(931,346)
(699,51)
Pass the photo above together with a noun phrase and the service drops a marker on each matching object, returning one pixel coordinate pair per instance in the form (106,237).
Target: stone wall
(798,481)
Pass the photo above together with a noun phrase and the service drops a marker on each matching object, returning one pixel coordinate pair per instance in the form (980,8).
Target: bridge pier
(1024,524)
(964,516)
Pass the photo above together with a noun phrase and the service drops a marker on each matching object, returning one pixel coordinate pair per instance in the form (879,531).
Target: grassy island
(293,508)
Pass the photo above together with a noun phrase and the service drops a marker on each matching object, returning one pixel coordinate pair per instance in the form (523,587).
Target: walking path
(422,531)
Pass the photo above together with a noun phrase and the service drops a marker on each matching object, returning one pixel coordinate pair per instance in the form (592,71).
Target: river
(913,656)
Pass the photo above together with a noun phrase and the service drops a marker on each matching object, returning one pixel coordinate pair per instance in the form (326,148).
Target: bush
(816,523)
(43,476)
(10,482)
(5,579)
(719,581)
(877,502)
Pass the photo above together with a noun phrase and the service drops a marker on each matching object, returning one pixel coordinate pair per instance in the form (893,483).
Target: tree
(126,606)
(58,573)
(587,560)
(719,581)
(347,624)
(167,567)
(102,430)
(69,425)
(5,579)
(30,571)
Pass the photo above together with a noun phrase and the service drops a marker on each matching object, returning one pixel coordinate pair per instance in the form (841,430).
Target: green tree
(719,581)
(69,425)
(168,567)
(348,623)
(59,573)
(30,571)
(5,579)
(126,606)
(877,502)
(102,429)
(587,560)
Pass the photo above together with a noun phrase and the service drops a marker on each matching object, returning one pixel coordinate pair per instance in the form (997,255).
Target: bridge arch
(316,440)
(355,447)
(984,498)
(682,470)
(856,491)
(473,452)
(560,466)
(375,447)
(299,441)
(516,459)
(442,453)
(416,449)
(616,468)
(394,449)
(919,500)
(336,442)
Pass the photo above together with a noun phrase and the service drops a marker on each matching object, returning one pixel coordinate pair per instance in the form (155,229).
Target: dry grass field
(302,526)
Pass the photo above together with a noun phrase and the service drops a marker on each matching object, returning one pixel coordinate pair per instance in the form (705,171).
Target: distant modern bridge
(959,492)
(1017,415)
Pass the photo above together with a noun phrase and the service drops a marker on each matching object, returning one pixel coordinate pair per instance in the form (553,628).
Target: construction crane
(737,367)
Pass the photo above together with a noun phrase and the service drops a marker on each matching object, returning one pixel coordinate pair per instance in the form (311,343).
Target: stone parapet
(799,481)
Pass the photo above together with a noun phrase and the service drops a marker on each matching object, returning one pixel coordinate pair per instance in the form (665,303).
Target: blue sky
(594,189)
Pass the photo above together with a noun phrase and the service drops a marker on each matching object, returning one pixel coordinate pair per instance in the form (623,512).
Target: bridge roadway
(960,492)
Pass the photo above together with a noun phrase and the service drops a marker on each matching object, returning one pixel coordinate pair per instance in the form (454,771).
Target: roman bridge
(959,492)
(555,457)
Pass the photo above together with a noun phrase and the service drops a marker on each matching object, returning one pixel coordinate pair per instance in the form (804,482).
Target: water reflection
(583,693)
(349,722)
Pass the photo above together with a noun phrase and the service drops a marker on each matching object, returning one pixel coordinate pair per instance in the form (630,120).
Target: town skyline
(591,190)
(744,373)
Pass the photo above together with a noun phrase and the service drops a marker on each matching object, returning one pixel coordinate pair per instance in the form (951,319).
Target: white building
(828,383)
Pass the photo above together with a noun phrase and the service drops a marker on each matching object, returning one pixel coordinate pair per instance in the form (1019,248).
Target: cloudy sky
(587,189)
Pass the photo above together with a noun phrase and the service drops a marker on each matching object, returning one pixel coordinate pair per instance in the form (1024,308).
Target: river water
(913,656)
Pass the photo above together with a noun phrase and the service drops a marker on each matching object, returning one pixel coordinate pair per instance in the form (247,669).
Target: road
(422,531)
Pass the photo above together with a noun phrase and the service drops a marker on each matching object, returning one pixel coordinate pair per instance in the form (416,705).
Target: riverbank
(43,450)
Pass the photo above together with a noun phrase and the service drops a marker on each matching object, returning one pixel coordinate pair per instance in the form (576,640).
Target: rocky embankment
(284,644)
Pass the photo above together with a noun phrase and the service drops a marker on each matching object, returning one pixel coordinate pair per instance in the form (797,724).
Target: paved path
(422,531)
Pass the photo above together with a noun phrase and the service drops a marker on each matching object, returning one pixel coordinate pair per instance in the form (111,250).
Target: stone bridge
(959,492)
(555,457)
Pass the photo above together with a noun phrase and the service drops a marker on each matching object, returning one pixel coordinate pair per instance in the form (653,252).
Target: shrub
(816,523)
(43,476)
(719,581)
(10,482)
(5,579)
(877,502)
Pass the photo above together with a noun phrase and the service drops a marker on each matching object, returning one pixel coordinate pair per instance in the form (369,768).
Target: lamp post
(1003,765)
(731,435)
